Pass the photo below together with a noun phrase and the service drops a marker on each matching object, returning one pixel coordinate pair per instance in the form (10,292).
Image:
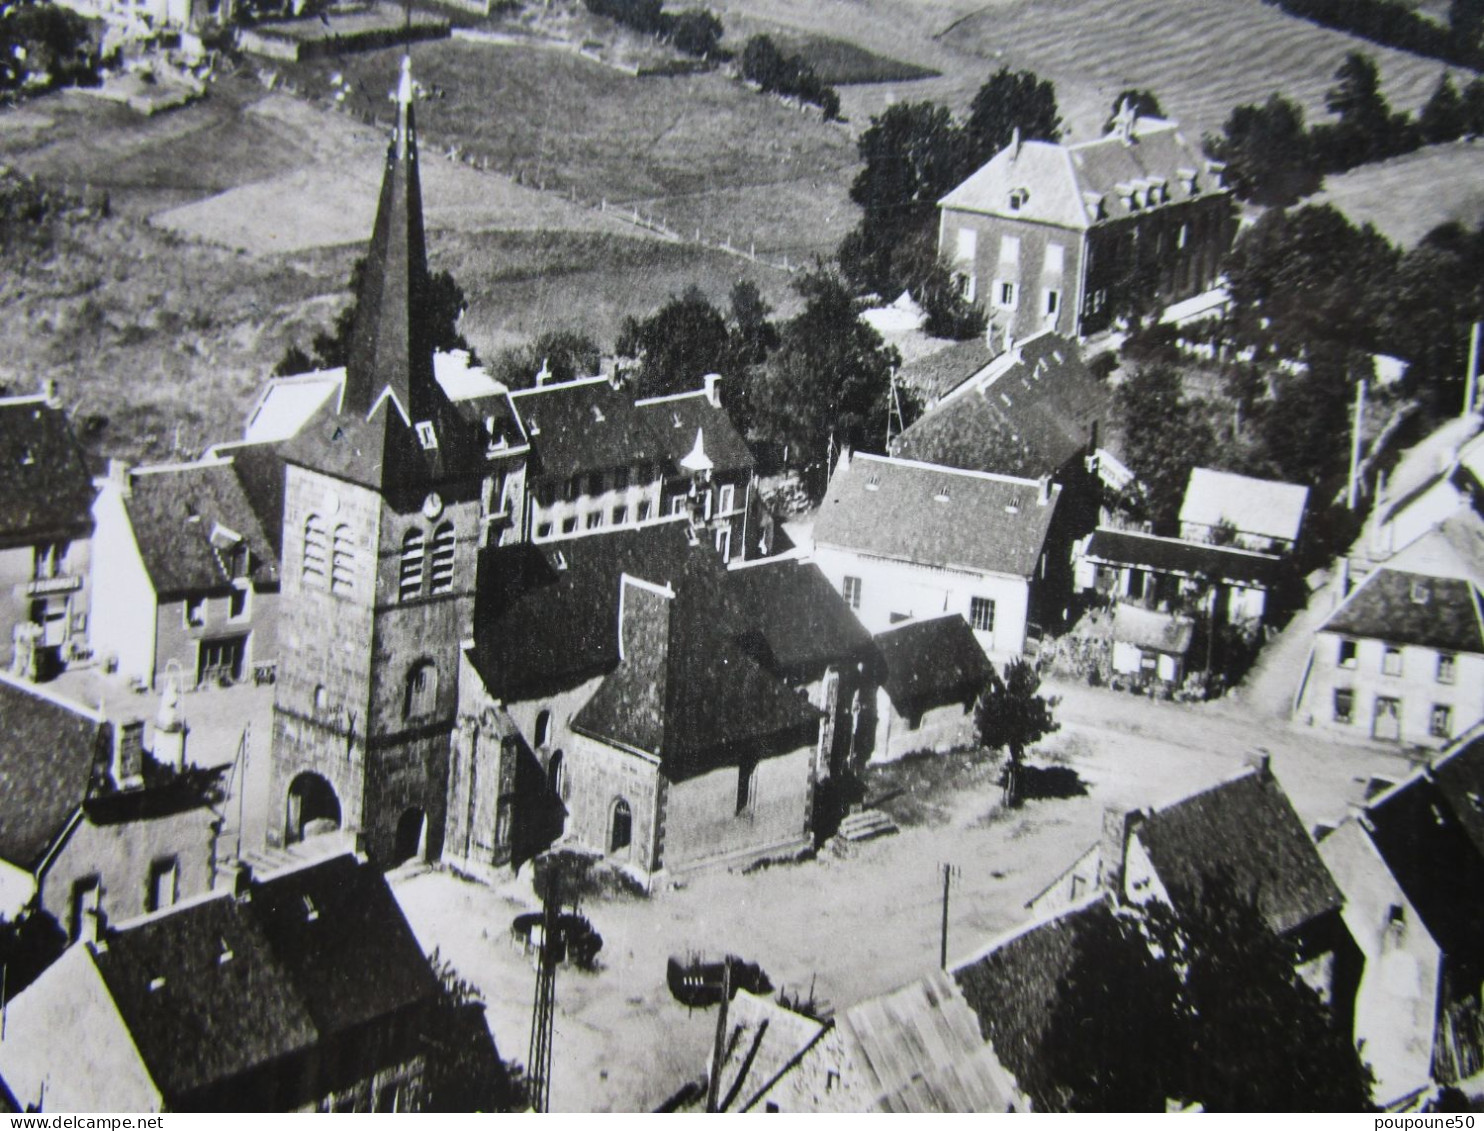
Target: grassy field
(1409,196)
(841,63)
(678,147)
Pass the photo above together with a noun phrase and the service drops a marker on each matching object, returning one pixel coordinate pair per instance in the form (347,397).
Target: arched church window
(443,553)
(410,584)
(421,698)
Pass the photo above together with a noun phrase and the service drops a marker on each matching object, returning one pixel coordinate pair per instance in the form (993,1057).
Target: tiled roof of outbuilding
(931,663)
(45,488)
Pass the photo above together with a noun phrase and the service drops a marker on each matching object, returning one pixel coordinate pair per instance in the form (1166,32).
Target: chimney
(1043,490)
(1118,823)
(844,460)
(543,375)
(242,881)
(91,924)
(713,394)
(118,474)
(1015,144)
(48,390)
(128,753)
(1262,762)
(1009,340)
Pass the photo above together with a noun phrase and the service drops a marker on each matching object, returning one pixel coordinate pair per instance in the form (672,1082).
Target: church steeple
(391,356)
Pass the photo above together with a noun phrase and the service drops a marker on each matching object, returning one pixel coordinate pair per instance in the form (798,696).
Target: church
(508,618)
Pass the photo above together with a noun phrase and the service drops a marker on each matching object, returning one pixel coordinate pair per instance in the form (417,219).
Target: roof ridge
(203,463)
(552,386)
(1000,941)
(989,476)
(53,697)
(1188,542)
(641,401)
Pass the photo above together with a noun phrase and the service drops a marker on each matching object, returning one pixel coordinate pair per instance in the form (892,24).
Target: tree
(1305,427)
(564,354)
(1009,715)
(1367,130)
(1164,437)
(677,345)
(912,155)
(1473,108)
(43,45)
(696,32)
(1144,103)
(1007,102)
(829,379)
(1268,155)
(1443,117)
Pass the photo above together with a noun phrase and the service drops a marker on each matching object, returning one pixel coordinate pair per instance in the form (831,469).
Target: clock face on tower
(432,506)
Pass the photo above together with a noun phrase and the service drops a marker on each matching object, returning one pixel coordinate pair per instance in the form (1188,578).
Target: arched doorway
(411,827)
(620,827)
(556,774)
(313,808)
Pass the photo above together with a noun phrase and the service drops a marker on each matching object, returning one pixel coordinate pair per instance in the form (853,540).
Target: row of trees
(1274,158)
(790,75)
(44,46)
(694,31)
(1396,23)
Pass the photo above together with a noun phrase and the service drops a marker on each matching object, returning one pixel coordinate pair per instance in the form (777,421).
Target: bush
(764,64)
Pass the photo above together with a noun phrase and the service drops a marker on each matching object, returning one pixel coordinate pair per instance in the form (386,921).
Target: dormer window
(1419,592)
(426,436)
(873,483)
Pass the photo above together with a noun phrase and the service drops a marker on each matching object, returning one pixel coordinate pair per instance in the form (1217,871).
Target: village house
(915,1049)
(192,582)
(1262,515)
(1048,236)
(603,460)
(1242,832)
(45,536)
(1407,864)
(1165,574)
(903,540)
(93,821)
(1034,410)
(1457,485)
(1150,645)
(301,991)
(590,663)
(932,672)
(1401,659)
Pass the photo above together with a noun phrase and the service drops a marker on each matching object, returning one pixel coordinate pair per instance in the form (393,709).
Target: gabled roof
(938,374)
(1430,831)
(1264,507)
(1187,559)
(591,424)
(214,988)
(45,488)
(1027,413)
(920,512)
(1454,548)
(1244,830)
(802,619)
(684,690)
(930,663)
(53,755)
(188,519)
(1413,608)
(1076,186)
(546,617)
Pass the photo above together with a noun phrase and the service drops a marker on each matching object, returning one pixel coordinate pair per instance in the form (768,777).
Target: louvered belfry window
(410,585)
(315,551)
(443,553)
(342,561)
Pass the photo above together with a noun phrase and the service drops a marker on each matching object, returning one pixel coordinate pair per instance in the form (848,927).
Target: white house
(1262,514)
(910,541)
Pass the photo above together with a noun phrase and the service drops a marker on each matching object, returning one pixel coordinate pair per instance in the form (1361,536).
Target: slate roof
(1187,559)
(1264,507)
(935,515)
(1014,986)
(1074,185)
(1029,413)
(931,663)
(589,425)
(920,1050)
(1244,829)
(803,620)
(1413,608)
(52,757)
(214,988)
(184,517)
(938,374)
(685,690)
(1430,831)
(45,488)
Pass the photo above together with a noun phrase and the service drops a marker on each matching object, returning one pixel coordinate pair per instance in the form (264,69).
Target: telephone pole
(1471,379)
(543,1010)
(949,871)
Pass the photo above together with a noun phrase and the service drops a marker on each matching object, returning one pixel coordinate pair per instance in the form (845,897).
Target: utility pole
(949,871)
(1350,486)
(1471,380)
(893,410)
(719,1046)
(543,1010)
